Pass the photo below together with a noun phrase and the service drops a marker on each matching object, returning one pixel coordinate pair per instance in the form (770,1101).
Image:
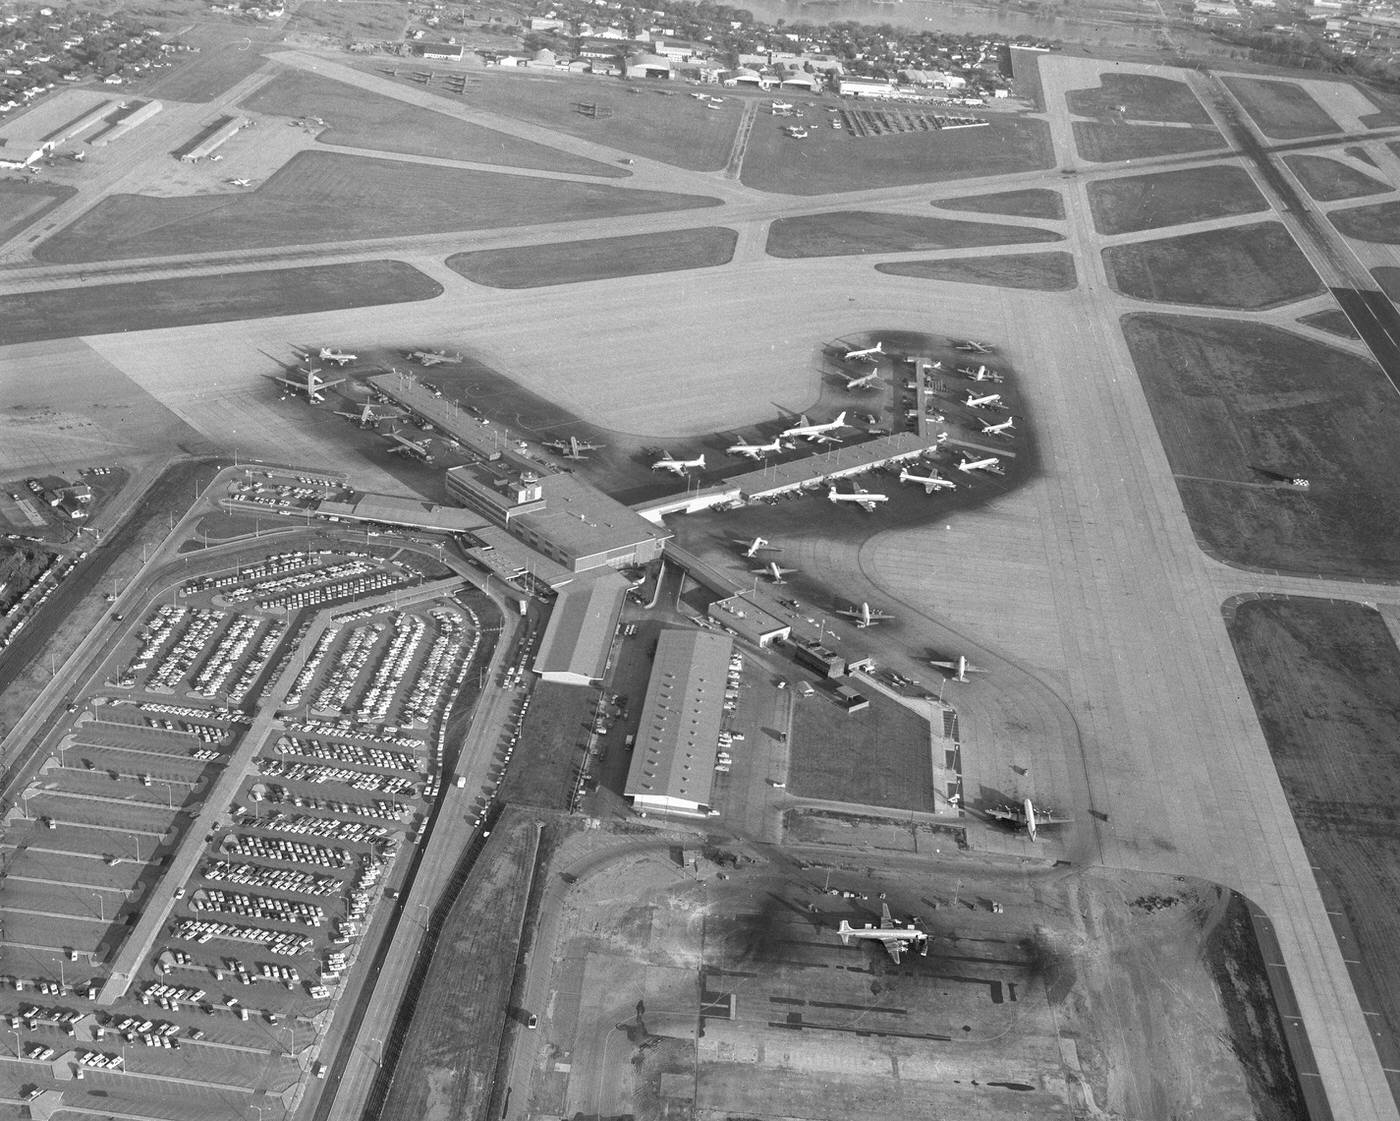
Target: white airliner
(339,357)
(864,499)
(777,106)
(414,449)
(990,401)
(758,545)
(309,383)
(773,571)
(895,939)
(865,381)
(434,357)
(930,483)
(989,464)
(864,615)
(678,466)
(957,669)
(1002,429)
(973,345)
(758,451)
(241,182)
(1027,817)
(868,353)
(980,373)
(820,433)
(372,414)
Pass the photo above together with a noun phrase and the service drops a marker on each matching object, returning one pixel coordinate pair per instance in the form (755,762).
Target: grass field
(1379,222)
(1231,399)
(22,203)
(673,129)
(851,232)
(1254,266)
(1333,320)
(1327,180)
(449,1055)
(1169,198)
(323,197)
(1045,272)
(1387,107)
(1025,81)
(1034,202)
(556,728)
(1388,278)
(830,160)
(1356,152)
(1142,97)
(1108,143)
(228,53)
(335,22)
(144,305)
(877,757)
(1282,110)
(1323,676)
(537,266)
(358,118)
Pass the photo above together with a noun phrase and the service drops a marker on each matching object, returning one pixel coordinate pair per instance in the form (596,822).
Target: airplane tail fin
(841,418)
(880,346)
(844,930)
(701,461)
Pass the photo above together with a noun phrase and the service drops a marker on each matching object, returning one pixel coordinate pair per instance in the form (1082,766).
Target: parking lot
(339,759)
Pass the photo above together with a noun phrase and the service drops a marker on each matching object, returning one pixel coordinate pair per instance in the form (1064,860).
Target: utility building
(673,762)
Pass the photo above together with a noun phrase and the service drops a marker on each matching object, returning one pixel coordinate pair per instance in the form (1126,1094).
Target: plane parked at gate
(865,381)
(991,463)
(434,357)
(309,383)
(972,345)
(869,353)
(572,448)
(758,451)
(930,483)
(339,357)
(1002,429)
(773,571)
(751,549)
(989,401)
(370,415)
(980,373)
(864,615)
(678,466)
(1027,817)
(895,939)
(957,669)
(414,449)
(817,433)
(859,497)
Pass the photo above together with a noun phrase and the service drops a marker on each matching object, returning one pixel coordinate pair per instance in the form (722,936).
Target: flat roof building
(579,634)
(559,515)
(673,761)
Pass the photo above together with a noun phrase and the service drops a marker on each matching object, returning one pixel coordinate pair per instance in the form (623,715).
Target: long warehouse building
(673,762)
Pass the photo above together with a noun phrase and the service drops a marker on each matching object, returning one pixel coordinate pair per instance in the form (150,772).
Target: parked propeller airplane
(572,447)
(860,497)
(930,483)
(415,449)
(958,668)
(864,615)
(895,939)
(972,345)
(1027,817)
(758,451)
(1002,429)
(818,433)
(773,571)
(678,466)
(991,463)
(434,357)
(865,381)
(980,373)
(339,357)
(751,549)
(989,401)
(370,414)
(869,353)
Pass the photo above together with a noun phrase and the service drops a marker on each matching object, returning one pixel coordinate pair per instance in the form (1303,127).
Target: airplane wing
(886,920)
(1007,813)
(896,949)
(1051,819)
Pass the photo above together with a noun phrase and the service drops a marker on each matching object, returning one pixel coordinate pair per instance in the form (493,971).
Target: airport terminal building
(673,762)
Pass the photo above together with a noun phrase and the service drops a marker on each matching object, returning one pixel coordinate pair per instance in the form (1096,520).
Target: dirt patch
(1169,198)
(1241,408)
(1102,142)
(1282,110)
(572,262)
(145,305)
(1324,676)
(320,197)
(854,232)
(357,118)
(1139,97)
(1034,202)
(1043,272)
(1379,223)
(1255,266)
(1327,180)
